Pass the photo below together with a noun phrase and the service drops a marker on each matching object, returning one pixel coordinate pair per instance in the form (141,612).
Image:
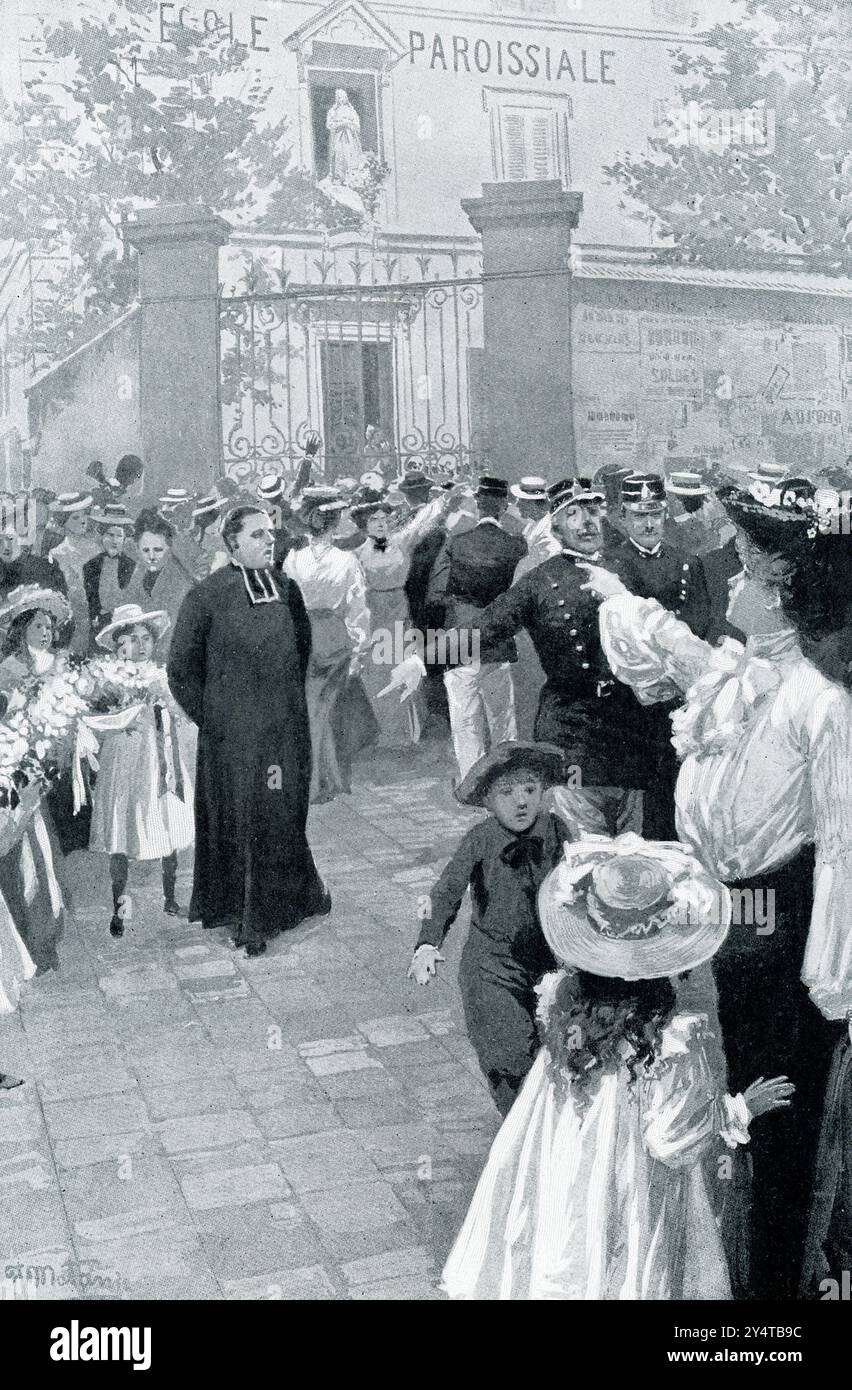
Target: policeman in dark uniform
(582,709)
(652,567)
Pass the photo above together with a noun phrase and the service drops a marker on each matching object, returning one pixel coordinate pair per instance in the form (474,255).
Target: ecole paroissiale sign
(455,53)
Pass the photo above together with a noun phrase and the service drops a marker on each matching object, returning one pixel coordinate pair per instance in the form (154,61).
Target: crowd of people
(645,684)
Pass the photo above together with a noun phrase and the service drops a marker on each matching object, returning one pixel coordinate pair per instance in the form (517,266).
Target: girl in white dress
(594,1187)
(142,803)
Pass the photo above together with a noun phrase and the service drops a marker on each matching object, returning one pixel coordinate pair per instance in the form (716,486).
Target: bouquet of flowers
(36,730)
(120,685)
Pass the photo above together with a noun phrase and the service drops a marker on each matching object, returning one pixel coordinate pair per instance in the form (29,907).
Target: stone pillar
(178,248)
(526,249)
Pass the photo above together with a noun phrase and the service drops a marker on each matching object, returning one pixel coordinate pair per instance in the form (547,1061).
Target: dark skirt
(770,1027)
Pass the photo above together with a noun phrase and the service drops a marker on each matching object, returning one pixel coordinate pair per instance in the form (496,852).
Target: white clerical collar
(259,584)
(489,521)
(578,555)
(643,550)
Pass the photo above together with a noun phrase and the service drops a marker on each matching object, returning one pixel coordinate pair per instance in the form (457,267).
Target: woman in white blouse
(332,585)
(764,798)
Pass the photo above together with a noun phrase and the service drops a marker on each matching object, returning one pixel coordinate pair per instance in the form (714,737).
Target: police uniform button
(585,665)
(578,647)
(560,603)
(686,568)
(573,632)
(554,584)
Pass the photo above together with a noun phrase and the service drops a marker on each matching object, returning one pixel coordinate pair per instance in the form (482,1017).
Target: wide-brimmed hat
(530,489)
(348,487)
(544,759)
(132,615)
(31,598)
(112,514)
(570,490)
(270,488)
(643,492)
(684,484)
(67,503)
(632,909)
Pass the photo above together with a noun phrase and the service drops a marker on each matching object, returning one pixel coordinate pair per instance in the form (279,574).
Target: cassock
(237,667)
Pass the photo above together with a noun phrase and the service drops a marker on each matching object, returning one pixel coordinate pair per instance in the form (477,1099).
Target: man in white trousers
(471,570)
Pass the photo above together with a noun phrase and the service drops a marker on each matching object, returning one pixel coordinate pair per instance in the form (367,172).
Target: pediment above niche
(348,28)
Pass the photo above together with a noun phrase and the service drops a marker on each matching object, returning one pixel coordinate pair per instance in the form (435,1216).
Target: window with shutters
(529,135)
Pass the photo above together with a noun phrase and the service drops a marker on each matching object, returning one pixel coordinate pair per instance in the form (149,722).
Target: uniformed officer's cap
(568,491)
(643,492)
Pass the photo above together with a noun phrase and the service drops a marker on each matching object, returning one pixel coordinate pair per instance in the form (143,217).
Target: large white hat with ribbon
(633,909)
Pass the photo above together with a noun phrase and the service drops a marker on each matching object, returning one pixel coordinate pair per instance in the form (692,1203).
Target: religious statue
(344,139)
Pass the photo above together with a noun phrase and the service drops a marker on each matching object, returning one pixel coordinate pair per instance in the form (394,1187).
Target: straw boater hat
(206,508)
(322,499)
(112,514)
(544,759)
(372,478)
(687,485)
(175,497)
(131,615)
(530,489)
(270,489)
(570,490)
(32,598)
(632,909)
(67,503)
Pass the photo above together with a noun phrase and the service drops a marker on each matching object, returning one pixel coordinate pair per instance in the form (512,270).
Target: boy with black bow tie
(503,860)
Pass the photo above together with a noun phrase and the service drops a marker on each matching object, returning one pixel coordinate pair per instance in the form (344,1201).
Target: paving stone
(118,1113)
(369,1112)
(392,1031)
(180,1134)
(282,1120)
(251,1241)
(405,1290)
(134,1193)
(314,1162)
(354,1207)
(310,1283)
(99,1148)
(234,1187)
(203,1095)
(333,1063)
(413,1261)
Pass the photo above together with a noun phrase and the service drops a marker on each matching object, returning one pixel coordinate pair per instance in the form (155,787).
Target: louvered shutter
(514,146)
(540,144)
(529,143)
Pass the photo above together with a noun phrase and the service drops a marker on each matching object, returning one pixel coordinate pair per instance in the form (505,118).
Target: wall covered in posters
(733,379)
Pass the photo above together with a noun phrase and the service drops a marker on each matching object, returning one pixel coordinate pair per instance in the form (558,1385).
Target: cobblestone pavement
(307,1124)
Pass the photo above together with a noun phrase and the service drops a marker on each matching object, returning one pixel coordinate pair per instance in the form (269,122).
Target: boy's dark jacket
(504,872)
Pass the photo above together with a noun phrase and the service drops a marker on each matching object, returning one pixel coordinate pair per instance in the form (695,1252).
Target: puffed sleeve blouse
(766,746)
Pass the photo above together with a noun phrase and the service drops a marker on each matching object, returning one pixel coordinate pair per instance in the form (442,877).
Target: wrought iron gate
(387,374)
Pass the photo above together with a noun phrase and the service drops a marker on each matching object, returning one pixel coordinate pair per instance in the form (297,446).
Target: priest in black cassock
(237,667)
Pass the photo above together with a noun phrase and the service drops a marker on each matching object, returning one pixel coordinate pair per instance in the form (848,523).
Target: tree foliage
(119,120)
(734,203)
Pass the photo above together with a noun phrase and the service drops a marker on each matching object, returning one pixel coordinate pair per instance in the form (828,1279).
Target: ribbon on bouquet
(168,757)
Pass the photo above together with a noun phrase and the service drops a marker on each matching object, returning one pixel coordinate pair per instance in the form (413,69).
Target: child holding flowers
(142,804)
